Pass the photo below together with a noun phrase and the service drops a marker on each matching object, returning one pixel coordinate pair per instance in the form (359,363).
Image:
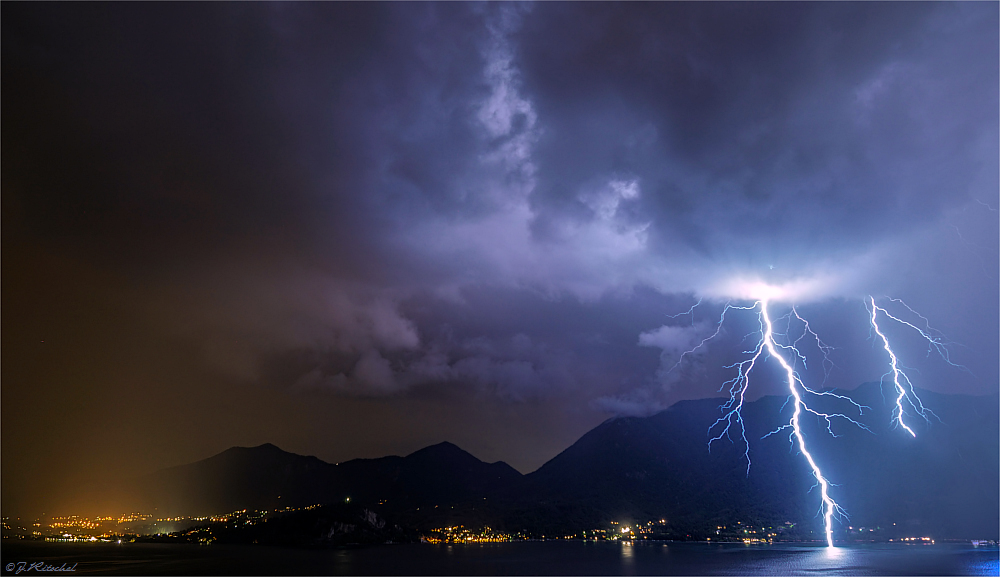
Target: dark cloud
(823,122)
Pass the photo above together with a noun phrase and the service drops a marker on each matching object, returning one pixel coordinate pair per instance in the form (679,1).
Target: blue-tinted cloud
(353,189)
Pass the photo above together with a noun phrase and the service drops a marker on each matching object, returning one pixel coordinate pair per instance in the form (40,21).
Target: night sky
(355,230)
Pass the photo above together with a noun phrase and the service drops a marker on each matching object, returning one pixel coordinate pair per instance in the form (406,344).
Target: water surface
(519,558)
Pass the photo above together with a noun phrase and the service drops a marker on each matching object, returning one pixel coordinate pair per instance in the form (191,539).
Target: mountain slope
(266,477)
(942,483)
(263,477)
(945,481)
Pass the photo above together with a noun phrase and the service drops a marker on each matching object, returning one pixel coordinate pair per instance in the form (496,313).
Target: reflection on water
(985,567)
(872,559)
(519,558)
(628,550)
(628,558)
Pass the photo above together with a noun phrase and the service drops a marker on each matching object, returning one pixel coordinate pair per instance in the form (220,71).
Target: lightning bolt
(933,336)
(732,419)
(690,311)
(737,388)
(823,347)
(788,356)
(899,376)
(829,506)
(704,341)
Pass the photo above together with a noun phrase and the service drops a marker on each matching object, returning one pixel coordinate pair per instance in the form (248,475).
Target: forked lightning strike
(731,420)
(897,377)
(829,505)
(732,416)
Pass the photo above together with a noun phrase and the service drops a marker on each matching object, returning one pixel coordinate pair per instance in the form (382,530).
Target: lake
(517,558)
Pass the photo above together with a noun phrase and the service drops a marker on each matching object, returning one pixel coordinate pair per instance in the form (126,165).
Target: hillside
(942,483)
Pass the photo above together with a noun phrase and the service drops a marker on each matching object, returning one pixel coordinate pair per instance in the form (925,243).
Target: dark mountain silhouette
(660,467)
(267,477)
(263,477)
(943,483)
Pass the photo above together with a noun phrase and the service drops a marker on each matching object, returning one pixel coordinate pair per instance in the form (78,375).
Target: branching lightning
(690,311)
(788,355)
(823,347)
(830,506)
(733,419)
(704,341)
(933,336)
(899,376)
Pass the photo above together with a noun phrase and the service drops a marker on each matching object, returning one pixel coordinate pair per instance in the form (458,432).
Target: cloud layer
(376,199)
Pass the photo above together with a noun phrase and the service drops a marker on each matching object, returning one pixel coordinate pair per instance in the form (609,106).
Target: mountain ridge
(655,467)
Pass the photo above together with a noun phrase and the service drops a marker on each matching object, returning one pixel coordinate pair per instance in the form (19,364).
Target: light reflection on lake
(520,558)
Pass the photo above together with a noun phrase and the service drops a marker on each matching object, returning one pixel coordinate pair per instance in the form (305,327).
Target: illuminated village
(137,526)
(130,526)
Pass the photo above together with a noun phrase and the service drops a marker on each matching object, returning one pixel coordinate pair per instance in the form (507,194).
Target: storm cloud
(499,203)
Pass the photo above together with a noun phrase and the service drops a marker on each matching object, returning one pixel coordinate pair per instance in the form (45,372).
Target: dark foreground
(518,558)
